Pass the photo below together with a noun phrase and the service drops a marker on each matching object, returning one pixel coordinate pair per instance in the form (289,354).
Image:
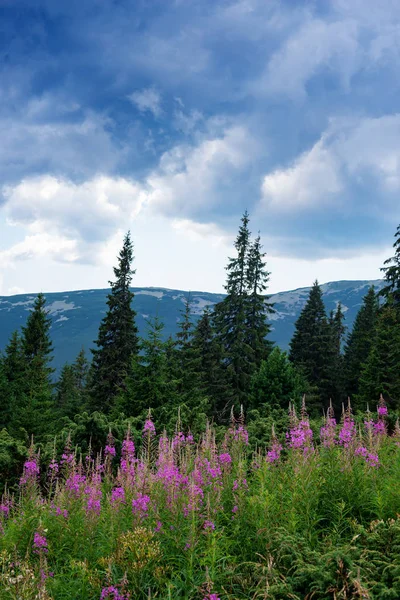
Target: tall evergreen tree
(360,342)
(230,319)
(392,273)
(117,341)
(380,373)
(309,347)
(332,385)
(12,380)
(71,397)
(148,384)
(213,380)
(35,410)
(258,307)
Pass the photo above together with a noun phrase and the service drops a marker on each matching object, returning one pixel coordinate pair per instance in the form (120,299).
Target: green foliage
(240,320)
(71,388)
(359,342)
(392,273)
(117,342)
(276,383)
(33,409)
(380,373)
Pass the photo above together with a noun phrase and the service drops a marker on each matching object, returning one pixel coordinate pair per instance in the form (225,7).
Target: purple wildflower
(109,451)
(209,525)
(31,471)
(140,505)
(111,592)
(149,427)
(39,543)
(118,496)
(274,454)
(328,433)
(225,458)
(348,431)
(211,597)
(371,458)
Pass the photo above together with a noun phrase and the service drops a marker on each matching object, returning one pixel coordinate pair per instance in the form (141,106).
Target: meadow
(313,516)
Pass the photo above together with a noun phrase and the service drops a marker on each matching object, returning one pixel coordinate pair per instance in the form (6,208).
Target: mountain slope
(76,315)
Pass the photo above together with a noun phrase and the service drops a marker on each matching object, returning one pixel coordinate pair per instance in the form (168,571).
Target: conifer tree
(359,342)
(258,307)
(332,385)
(35,411)
(12,380)
(380,373)
(191,395)
(230,319)
(309,347)
(71,397)
(117,341)
(276,383)
(148,384)
(392,274)
(213,380)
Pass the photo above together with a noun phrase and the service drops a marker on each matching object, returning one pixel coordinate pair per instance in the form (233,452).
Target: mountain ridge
(76,314)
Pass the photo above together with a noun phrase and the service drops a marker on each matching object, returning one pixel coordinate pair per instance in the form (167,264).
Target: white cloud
(312,180)
(65,219)
(188,177)
(209,232)
(147,99)
(351,151)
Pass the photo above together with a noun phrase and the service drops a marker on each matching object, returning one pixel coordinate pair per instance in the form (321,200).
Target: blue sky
(171,117)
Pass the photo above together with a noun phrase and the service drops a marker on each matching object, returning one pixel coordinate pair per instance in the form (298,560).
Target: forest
(212,465)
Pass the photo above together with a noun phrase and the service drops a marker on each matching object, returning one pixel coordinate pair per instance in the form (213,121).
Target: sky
(172,117)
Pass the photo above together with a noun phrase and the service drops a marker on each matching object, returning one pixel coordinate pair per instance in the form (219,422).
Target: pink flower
(118,496)
(225,458)
(39,543)
(149,427)
(140,505)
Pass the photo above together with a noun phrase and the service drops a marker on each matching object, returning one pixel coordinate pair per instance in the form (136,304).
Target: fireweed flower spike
(274,454)
(347,433)
(328,431)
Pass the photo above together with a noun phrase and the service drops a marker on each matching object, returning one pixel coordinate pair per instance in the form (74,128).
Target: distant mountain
(76,315)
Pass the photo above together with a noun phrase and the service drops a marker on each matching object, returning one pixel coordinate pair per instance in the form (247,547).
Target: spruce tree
(230,320)
(213,380)
(392,274)
(258,307)
(71,397)
(12,380)
(380,373)
(309,347)
(148,384)
(191,396)
(332,385)
(117,341)
(276,383)
(360,342)
(35,410)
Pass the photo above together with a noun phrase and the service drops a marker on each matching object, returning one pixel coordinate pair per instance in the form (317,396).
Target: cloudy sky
(171,117)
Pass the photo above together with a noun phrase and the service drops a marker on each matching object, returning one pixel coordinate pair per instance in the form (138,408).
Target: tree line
(226,359)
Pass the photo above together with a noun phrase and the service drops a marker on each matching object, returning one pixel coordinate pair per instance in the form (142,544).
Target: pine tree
(12,380)
(309,347)
(380,373)
(333,383)
(213,380)
(276,383)
(359,342)
(392,273)
(148,384)
(71,397)
(191,396)
(117,341)
(258,307)
(35,411)
(230,319)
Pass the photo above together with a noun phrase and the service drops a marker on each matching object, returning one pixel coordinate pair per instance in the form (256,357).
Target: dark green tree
(309,347)
(35,409)
(360,342)
(332,385)
(71,396)
(392,273)
(147,385)
(258,305)
(117,341)
(213,376)
(12,383)
(380,373)
(276,383)
(230,320)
